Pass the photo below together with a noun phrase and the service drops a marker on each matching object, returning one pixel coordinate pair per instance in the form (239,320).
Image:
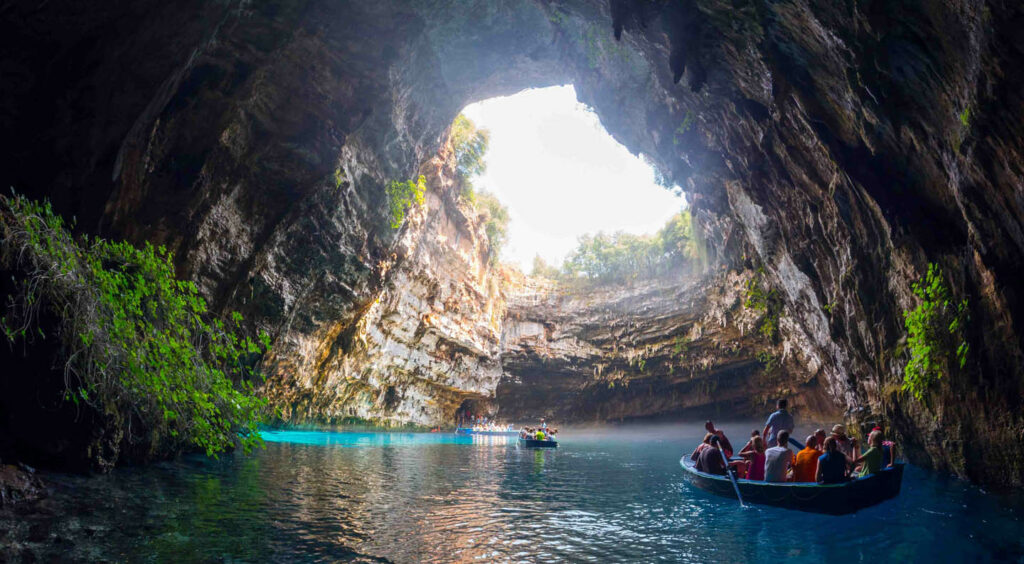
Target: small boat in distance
(833,499)
(495,432)
(536,443)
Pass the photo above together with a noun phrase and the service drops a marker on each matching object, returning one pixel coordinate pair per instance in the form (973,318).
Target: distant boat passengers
(538,433)
(823,459)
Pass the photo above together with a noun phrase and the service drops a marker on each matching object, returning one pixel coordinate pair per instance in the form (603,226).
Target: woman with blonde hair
(755,471)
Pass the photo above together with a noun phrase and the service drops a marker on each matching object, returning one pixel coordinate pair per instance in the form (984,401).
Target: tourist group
(541,433)
(827,459)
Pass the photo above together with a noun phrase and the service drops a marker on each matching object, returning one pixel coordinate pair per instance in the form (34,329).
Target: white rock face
(449,325)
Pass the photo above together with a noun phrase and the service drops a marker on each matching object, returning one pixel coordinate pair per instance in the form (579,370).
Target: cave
(830,151)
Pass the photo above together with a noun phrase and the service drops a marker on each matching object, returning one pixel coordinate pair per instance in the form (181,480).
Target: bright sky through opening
(562,175)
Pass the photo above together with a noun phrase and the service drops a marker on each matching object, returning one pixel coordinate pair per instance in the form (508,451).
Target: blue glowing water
(602,496)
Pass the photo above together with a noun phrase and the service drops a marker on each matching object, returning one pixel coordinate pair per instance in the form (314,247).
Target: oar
(732,478)
(796,443)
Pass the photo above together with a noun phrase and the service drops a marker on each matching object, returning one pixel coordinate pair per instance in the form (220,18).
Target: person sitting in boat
(778,421)
(819,436)
(723,440)
(703,445)
(755,456)
(753,433)
(832,464)
(710,459)
(844,444)
(871,460)
(743,466)
(778,459)
(888,449)
(805,469)
(541,435)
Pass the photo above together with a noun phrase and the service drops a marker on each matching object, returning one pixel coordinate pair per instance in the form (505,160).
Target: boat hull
(534,443)
(832,499)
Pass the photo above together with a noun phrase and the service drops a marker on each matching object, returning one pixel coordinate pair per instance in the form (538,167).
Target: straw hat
(839,429)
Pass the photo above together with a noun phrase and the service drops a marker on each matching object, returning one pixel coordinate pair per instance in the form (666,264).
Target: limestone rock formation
(427,340)
(843,145)
(668,346)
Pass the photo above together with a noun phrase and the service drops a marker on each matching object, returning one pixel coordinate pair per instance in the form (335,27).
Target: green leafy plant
(680,131)
(470,145)
(768,361)
(138,344)
(404,195)
(936,333)
(680,345)
(766,300)
(495,224)
(965,117)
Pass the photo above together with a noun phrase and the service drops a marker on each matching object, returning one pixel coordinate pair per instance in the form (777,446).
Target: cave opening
(560,175)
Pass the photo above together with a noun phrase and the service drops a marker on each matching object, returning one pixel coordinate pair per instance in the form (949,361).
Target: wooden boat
(534,443)
(833,499)
(470,431)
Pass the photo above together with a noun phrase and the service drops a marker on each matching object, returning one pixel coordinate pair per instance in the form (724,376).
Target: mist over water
(607,494)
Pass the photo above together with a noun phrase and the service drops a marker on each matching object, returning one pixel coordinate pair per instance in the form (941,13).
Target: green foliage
(137,342)
(542,269)
(556,16)
(764,299)
(496,224)
(680,345)
(961,136)
(470,145)
(687,125)
(768,361)
(965,117)
(621,256)
(936,333)
(404,195)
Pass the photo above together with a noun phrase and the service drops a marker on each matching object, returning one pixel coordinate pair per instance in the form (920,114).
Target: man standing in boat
(781,420)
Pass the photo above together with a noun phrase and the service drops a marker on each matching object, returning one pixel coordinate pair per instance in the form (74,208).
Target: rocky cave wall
(679,345)
(427,341)
(842,145)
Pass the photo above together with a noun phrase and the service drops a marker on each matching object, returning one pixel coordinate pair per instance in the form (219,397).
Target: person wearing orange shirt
(805,469)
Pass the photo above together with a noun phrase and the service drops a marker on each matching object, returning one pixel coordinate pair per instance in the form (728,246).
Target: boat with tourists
(488,431)
(539,437)
(537,443)
(834,499)
(828,473)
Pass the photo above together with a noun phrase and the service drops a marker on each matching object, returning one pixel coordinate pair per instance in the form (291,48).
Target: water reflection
(601,496)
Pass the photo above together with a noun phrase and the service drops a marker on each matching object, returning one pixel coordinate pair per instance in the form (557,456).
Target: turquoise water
(602,496)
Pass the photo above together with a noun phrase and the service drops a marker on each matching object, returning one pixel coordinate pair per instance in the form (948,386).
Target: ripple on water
(408,497)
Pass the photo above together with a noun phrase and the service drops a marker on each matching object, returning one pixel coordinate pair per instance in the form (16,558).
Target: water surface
(602,496)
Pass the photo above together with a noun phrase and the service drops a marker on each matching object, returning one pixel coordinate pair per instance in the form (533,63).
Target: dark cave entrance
(473,410)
